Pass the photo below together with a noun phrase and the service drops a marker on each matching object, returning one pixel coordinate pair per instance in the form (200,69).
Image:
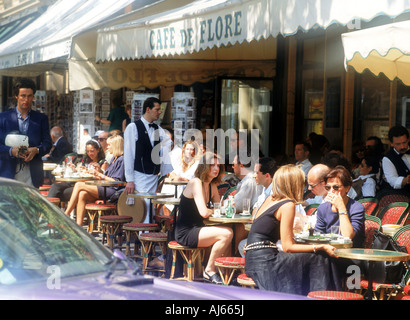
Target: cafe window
(312,85)
(374,106)
(246,104)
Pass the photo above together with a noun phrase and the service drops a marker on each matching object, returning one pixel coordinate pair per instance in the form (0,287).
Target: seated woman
(299,268)
(365,184)
(194,207)
(189,162)
(83,193)
(341,210)
(94,158)
(183,171)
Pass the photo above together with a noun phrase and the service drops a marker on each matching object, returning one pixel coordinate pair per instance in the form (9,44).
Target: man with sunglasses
(316,183)
(396,163)
(102,140)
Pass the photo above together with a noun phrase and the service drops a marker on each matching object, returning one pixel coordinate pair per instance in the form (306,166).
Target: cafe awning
(48,38)
(384,49)
(205,24)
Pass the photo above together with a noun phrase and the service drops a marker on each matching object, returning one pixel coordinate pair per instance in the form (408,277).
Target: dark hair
(378,148)
(333,159)
(397,131)
(97,146)
(23,83)
(117,101)
(306,146)
(268,165)
(149,103)
(342,173)
(249,156)
(372,161)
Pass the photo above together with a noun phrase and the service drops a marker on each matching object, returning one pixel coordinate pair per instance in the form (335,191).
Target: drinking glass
(217,209)
(246,206)
(334,231)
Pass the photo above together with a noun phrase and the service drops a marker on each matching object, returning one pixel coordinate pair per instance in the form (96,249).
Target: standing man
(60,148)
(302,152)
(396,163)
(116,117)
(24,166)
(144,143)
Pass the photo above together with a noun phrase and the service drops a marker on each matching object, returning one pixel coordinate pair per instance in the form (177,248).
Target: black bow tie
(153,125)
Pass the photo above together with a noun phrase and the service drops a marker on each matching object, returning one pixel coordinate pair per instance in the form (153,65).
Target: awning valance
(49,36)
(185,70)
(384,49)
(205,24)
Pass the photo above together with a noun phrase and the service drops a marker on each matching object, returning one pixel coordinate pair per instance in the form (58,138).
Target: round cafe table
(105,184)
(176,184)
(371,255)
(237,218)
(335,243)
(74,179)
(151,196)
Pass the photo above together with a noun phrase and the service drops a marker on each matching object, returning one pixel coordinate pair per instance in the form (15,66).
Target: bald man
(60,148)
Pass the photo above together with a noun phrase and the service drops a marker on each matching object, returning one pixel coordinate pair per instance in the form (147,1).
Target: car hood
(126,286)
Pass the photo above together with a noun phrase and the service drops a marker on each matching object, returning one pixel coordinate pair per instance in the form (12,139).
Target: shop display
(183,114)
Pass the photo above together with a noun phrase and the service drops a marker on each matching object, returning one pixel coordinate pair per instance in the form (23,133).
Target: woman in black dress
(299,268)
(84,193)
(195,205)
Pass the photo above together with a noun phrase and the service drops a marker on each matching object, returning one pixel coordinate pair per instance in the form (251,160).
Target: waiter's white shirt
(390,171)
(144,182)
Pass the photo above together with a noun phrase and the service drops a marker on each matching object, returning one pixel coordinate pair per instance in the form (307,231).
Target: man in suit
(143,140)
(396,163)
(60,148)
(24,166)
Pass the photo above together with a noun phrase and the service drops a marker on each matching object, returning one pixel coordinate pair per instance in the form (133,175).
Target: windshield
(36,237)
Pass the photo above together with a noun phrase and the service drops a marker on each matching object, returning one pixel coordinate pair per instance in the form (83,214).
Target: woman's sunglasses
(335,187)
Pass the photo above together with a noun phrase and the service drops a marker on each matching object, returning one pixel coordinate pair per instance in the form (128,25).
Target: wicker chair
(387,197)
(227,266)
(371,205)
(245,281)
(95,211)
(386,290)
(149,241)
(132,231)
(370,225)
(311,209)
(190,255)
(394,213)
(335,295)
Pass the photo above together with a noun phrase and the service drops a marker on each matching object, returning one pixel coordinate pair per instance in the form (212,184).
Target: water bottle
(229,208)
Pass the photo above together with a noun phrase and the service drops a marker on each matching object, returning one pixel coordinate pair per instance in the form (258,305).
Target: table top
(372,254)
(48,166)
(174,201)
(105,183)
(151,195)
(236,219)
(175,183)
(74,179)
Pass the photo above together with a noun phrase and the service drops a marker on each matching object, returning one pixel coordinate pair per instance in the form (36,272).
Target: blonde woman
(189,162)
(194,207)
(299,268)
(83,193)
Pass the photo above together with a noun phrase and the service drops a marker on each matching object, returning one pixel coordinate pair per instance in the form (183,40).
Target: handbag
(391,272)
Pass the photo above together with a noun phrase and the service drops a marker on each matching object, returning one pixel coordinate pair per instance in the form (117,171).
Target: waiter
(146,149)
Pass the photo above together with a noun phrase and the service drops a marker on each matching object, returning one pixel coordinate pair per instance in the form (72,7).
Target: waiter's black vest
(399,164)
(143,162)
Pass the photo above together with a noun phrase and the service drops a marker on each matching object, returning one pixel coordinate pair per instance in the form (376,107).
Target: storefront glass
(374,106)
(246,105)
